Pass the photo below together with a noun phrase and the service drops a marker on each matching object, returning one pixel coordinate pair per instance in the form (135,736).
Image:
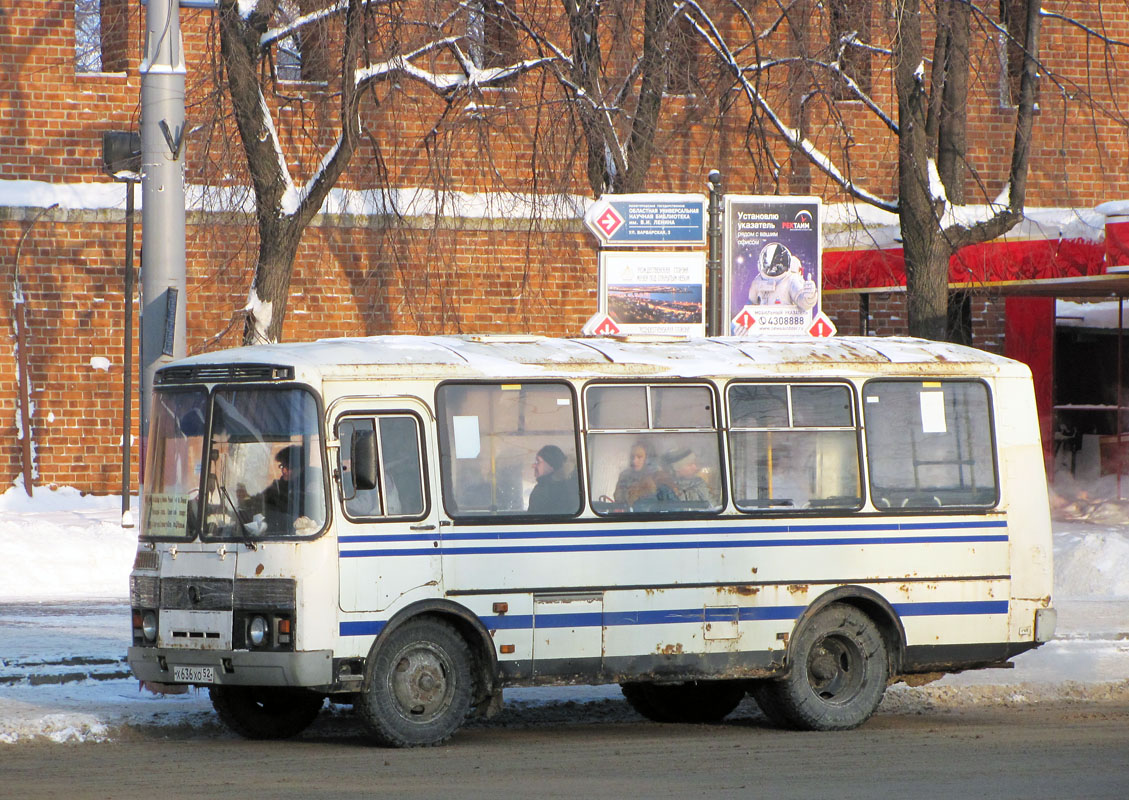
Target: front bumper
(235,667)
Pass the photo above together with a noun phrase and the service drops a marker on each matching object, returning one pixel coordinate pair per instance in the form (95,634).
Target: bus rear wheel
(418,685)
(265,712)
(837,677)
(693,701)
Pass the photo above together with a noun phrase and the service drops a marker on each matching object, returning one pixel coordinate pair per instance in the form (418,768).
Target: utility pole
(162,196)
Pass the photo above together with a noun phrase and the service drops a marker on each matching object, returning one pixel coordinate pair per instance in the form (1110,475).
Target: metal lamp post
(121,159)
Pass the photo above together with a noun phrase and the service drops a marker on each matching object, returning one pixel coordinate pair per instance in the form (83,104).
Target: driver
(281,503)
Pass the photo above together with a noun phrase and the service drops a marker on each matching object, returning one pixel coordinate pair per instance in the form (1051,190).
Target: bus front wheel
(265,712)
(837,676)
(418,685)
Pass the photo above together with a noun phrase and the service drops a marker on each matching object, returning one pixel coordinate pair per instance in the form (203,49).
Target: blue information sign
(641,220)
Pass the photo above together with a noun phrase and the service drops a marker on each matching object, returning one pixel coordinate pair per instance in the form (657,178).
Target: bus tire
(693,701)
(837,676)
(768,701)
(418,685)
(265,712)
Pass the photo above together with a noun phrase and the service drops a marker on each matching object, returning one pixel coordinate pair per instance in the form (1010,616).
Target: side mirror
(364,459)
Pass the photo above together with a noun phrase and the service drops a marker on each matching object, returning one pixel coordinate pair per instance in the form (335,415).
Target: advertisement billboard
(654,293)
(772,258)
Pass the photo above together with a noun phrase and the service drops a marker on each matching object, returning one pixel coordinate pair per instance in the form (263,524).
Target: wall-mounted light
(121,155)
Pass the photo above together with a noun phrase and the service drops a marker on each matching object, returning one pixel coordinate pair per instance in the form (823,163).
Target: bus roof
(502,356)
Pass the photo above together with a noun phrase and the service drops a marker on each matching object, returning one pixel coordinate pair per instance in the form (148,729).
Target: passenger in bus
(555,492)
(637,481)
(683,481)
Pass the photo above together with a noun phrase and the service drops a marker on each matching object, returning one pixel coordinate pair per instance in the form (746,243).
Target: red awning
(984,265)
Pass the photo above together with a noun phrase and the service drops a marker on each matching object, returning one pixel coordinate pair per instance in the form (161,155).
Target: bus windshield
(176,447)
(264,470)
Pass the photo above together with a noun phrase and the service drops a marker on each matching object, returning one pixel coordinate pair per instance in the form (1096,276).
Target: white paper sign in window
(933,412)
(467,440)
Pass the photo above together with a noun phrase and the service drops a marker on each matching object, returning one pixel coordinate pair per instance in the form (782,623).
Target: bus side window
(508,449)
(793,446)
(400,458)
(652,449)
(929,444)
(380,467)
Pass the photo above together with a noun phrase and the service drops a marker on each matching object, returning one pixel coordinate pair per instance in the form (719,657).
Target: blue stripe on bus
(681,545)
(362,627)
(604,533)
(596,619)
(964,607)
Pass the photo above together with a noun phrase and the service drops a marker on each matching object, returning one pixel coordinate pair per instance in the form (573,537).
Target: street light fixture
(121,160)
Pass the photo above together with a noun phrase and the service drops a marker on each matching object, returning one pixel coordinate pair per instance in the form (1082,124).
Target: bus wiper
(244,529)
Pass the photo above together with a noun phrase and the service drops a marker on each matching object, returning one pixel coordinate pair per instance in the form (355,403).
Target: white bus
(412,524)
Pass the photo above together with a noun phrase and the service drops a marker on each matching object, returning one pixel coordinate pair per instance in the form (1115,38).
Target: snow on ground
(64,620)
(90,553)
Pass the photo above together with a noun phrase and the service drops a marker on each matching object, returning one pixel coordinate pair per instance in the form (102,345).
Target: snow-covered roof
(1108,314)
(501,356)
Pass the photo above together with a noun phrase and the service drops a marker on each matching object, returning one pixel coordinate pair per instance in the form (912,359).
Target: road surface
(1060,749)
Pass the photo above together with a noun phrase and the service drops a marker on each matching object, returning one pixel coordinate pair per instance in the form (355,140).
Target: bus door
(387,530)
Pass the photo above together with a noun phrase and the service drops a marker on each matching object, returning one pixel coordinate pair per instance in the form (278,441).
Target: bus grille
(220,594)
(146,559)
(196,594)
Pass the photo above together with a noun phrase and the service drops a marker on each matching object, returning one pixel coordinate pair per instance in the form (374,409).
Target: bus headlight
(149,626)
(257,631)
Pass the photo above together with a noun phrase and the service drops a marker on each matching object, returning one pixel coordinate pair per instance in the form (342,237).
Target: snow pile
(1091,538)
(62,545)
(1091,565)
(27,721)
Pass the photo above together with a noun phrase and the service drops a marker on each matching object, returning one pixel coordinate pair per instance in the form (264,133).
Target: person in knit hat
(554,492)
(683,480)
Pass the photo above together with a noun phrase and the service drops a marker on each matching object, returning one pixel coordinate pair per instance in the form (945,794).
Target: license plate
(194,674)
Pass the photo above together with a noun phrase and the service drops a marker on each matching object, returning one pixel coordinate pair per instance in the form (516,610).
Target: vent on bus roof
(224,373)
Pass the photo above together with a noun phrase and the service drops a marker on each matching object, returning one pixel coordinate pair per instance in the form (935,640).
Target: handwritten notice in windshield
(166,515)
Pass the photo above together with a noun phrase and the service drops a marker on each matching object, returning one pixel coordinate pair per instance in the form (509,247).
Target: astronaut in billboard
(780,280)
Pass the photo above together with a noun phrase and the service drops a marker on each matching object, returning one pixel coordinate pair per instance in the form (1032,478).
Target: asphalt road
(1065,749)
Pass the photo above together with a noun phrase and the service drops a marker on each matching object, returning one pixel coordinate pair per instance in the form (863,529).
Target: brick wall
(357,276)
(884,314)
(52,117)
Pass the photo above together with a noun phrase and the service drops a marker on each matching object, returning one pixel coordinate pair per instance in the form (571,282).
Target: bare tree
(932,99)
(283,208)
(618,113)
(931,153)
